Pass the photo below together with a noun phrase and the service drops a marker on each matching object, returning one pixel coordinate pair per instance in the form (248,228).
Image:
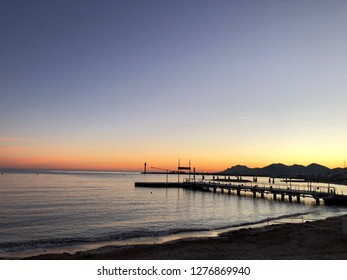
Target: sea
(69,211)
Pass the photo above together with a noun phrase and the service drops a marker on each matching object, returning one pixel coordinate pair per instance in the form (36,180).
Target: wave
(8,247)
(272,219)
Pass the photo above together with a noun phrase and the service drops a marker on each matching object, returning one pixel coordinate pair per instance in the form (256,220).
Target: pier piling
(329,197)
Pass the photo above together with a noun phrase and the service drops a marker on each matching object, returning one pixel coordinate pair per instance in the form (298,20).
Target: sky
(109,85)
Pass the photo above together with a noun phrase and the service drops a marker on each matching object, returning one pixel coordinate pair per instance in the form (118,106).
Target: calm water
(57,209)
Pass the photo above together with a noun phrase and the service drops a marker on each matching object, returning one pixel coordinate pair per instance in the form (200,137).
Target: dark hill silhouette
(317,169)
(282,170)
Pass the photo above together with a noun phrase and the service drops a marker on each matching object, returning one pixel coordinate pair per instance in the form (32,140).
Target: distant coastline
(313,172)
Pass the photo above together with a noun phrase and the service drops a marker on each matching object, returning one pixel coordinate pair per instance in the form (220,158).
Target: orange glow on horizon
(75,163)
(81,157)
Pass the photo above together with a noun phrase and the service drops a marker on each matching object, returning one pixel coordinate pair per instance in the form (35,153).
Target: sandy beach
(322,239)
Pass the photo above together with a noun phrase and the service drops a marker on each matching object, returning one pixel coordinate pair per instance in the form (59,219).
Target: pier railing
(309,189)
(285,192)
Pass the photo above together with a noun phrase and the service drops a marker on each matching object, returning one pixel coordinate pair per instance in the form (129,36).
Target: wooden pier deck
(328,195)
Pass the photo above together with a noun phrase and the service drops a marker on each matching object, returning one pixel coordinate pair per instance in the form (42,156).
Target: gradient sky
(112,84)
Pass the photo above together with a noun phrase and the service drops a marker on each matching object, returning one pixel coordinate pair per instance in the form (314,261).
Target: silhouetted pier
(290,193)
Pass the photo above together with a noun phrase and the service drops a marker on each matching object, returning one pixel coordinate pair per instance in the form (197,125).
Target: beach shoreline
(180,235)
(321,239)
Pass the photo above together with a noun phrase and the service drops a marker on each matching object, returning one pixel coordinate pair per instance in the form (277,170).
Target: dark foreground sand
(311,240)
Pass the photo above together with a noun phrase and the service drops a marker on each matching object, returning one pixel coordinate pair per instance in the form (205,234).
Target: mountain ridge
(282,170)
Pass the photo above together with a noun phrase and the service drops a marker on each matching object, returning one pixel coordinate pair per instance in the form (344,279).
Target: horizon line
(141,170)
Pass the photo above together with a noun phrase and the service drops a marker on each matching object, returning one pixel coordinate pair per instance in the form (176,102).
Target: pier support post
(290,199)
(282,197)
(262,194)
(317,201)
(298,199)
(254,194)
(238,192)
(214,190)
(229,191)
(274,196)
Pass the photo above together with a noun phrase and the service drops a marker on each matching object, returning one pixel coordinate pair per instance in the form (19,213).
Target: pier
(328,195)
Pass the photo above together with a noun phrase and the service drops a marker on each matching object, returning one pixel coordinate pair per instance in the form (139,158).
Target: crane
(162,169)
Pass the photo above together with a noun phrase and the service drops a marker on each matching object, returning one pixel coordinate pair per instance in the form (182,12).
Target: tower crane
(162,169)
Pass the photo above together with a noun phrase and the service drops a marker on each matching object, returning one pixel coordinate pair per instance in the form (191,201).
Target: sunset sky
(109,85)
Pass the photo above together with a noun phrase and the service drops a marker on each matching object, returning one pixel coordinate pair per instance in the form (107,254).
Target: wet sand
(321,239)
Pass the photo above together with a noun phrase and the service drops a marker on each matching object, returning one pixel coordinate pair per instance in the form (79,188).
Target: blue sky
(111,84)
